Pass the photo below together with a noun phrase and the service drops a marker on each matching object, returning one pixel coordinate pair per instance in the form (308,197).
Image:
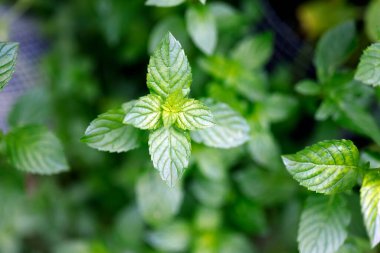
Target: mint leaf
(230,129)
(333,49)
(172,237)
(202,28)
(372,20)
(164,3)
(323,225)
(108,133)
(368,70)
(194,115)
(170,149)
(326,167)
(358,119)
(160,207)
(8,55)
(168,69)
(34,149)
(370,202)
(145,113)
(308,88)
(254,52)
(203,1)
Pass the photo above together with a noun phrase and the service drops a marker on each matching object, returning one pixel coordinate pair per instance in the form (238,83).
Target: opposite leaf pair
(169,115)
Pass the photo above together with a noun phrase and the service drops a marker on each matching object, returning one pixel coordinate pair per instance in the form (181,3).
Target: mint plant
(333,167)
(171,117)
(28,147)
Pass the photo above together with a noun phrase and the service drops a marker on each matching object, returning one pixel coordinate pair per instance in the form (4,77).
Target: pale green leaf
(372,20)
(145,113)
(164,3)
(194,115)
(108,133)
(175,25)
(211,193)
(8,55)
(172,237)
(333,49)
(233,243)
(169,69)
(370,202)
(157,203)
(254,52)
(230,129)
(202,28)
(308,87)
(203,1)
(34,149)
(368,70)
(323,225)
(170,149)
(264,148)
(326,167)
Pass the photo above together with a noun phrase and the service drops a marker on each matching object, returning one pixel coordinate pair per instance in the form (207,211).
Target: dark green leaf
(333,49)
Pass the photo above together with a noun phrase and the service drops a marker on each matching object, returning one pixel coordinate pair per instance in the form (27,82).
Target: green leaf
(368,70)
(164,3)
(187,114)
(8,55)
(173,237)
(108,133)
(36,150)
(233,243)
(264,148)
(169,69)
(230,129)
(203,1)
(255,51)
(326,167)
(33,107)
(277,107)
(370,202)
(372,20)
(170,150)
(194,115)
(157,203)
(202,28)
(333,49)
(323,225)
(175,25)
(145,113)
(211,193)
(355,117)
(308,88)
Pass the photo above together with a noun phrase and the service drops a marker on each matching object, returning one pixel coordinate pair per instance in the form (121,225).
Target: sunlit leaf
(323,225)
(368,70)
(145,113)
(372,20)
(169,149)
(168,69)
(325,167)
(370,202)
(230,129)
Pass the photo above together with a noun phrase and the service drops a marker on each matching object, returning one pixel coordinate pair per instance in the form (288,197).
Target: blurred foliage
(229,200)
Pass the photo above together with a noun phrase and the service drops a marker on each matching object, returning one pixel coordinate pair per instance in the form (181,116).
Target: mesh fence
(27,74)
